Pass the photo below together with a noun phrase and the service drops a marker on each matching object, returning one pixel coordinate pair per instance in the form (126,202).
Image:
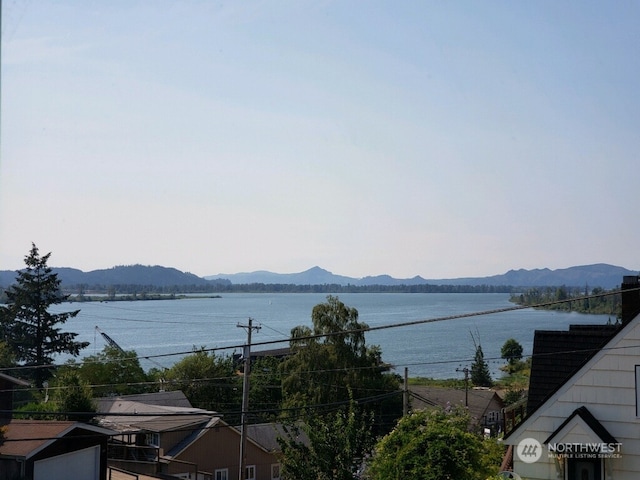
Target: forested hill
(122,275)
(598,275)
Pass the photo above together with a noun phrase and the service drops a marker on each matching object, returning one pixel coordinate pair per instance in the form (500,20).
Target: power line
(346,332)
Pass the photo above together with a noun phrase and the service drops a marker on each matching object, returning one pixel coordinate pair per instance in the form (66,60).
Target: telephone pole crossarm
(246,354)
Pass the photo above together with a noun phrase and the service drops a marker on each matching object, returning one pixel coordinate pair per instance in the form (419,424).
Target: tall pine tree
(28,326)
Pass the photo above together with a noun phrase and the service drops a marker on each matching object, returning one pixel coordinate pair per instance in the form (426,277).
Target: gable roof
(266,435)
(263,435)
(558,354)
(581,419)
(586,364)
(479,400)
(25,438)
(130,416)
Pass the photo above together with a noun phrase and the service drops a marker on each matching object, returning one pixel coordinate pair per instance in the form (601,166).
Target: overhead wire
(324,335)
(396,325)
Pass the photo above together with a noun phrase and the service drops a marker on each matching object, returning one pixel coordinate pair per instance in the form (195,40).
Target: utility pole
(466,384)
(246,353)
(405,393)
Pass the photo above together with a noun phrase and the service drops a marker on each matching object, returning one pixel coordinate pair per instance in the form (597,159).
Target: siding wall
(606,386)
(219,448)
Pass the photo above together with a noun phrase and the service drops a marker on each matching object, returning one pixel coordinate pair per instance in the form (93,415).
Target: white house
(586,425)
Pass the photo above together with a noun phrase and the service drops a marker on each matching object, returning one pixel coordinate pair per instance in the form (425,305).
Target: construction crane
(109,340)
(112,343)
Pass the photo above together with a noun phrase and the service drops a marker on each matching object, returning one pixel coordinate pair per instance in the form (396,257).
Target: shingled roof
(559,354)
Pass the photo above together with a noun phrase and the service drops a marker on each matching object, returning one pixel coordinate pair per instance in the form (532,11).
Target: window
(250,472)
(153,439)
(275,471)
(222,474)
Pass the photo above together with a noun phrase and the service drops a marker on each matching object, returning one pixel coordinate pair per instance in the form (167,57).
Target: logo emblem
(529,450)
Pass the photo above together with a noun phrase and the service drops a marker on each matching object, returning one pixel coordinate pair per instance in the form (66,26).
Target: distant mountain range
(601,275)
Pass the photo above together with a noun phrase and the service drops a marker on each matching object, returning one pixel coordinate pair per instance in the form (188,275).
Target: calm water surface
(173,327)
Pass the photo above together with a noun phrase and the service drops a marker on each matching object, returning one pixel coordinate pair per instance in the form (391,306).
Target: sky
(432,138)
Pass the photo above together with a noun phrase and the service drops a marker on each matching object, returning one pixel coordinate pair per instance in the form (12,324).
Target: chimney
(630,297)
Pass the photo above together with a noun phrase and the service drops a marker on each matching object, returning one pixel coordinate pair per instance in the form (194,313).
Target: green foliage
(73,396)
(337,444)
(208,381)
(511,351)
(265,392)
(28,326)
(434,445)
(7,358)
(331,360)
(437,382)
(36,411)
(601,302)
(480,375)
(113,371)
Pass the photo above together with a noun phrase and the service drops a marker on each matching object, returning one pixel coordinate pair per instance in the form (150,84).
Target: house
(48,450)
(484,405)
(52,450)
(183,441)
(583,416)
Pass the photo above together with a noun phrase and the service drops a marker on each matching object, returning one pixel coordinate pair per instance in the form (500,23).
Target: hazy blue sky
(431,138)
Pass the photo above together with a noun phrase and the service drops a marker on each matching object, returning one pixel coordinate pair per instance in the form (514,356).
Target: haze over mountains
(600,275)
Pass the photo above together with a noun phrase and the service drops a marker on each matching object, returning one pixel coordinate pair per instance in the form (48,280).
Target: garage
(79,465)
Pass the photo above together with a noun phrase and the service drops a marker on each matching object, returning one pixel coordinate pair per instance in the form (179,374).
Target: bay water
(166,330)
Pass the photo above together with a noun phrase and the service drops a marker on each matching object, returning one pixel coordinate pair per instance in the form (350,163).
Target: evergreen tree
(480,375)
(28,326)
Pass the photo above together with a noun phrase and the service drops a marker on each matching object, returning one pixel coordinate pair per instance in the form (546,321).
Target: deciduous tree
(209,381)
(112,371)
(434,445)
(73,396)
(333,447)
(331,361)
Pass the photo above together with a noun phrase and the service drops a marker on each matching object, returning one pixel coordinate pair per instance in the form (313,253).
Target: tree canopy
(434,445)
(335,446)
(511,351)
(29,327)
(330,361)
(209,381)
(112,371)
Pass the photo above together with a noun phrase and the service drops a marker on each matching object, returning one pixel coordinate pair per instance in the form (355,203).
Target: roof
(266,435)
(175,398)
(479,400)
(193,437)
(25,438)
(582,417)
(14,380)
(589,354)
(130,416)
(557,355)
(262,435)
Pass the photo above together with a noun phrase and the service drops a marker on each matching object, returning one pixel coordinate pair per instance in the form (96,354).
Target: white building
(584,422)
